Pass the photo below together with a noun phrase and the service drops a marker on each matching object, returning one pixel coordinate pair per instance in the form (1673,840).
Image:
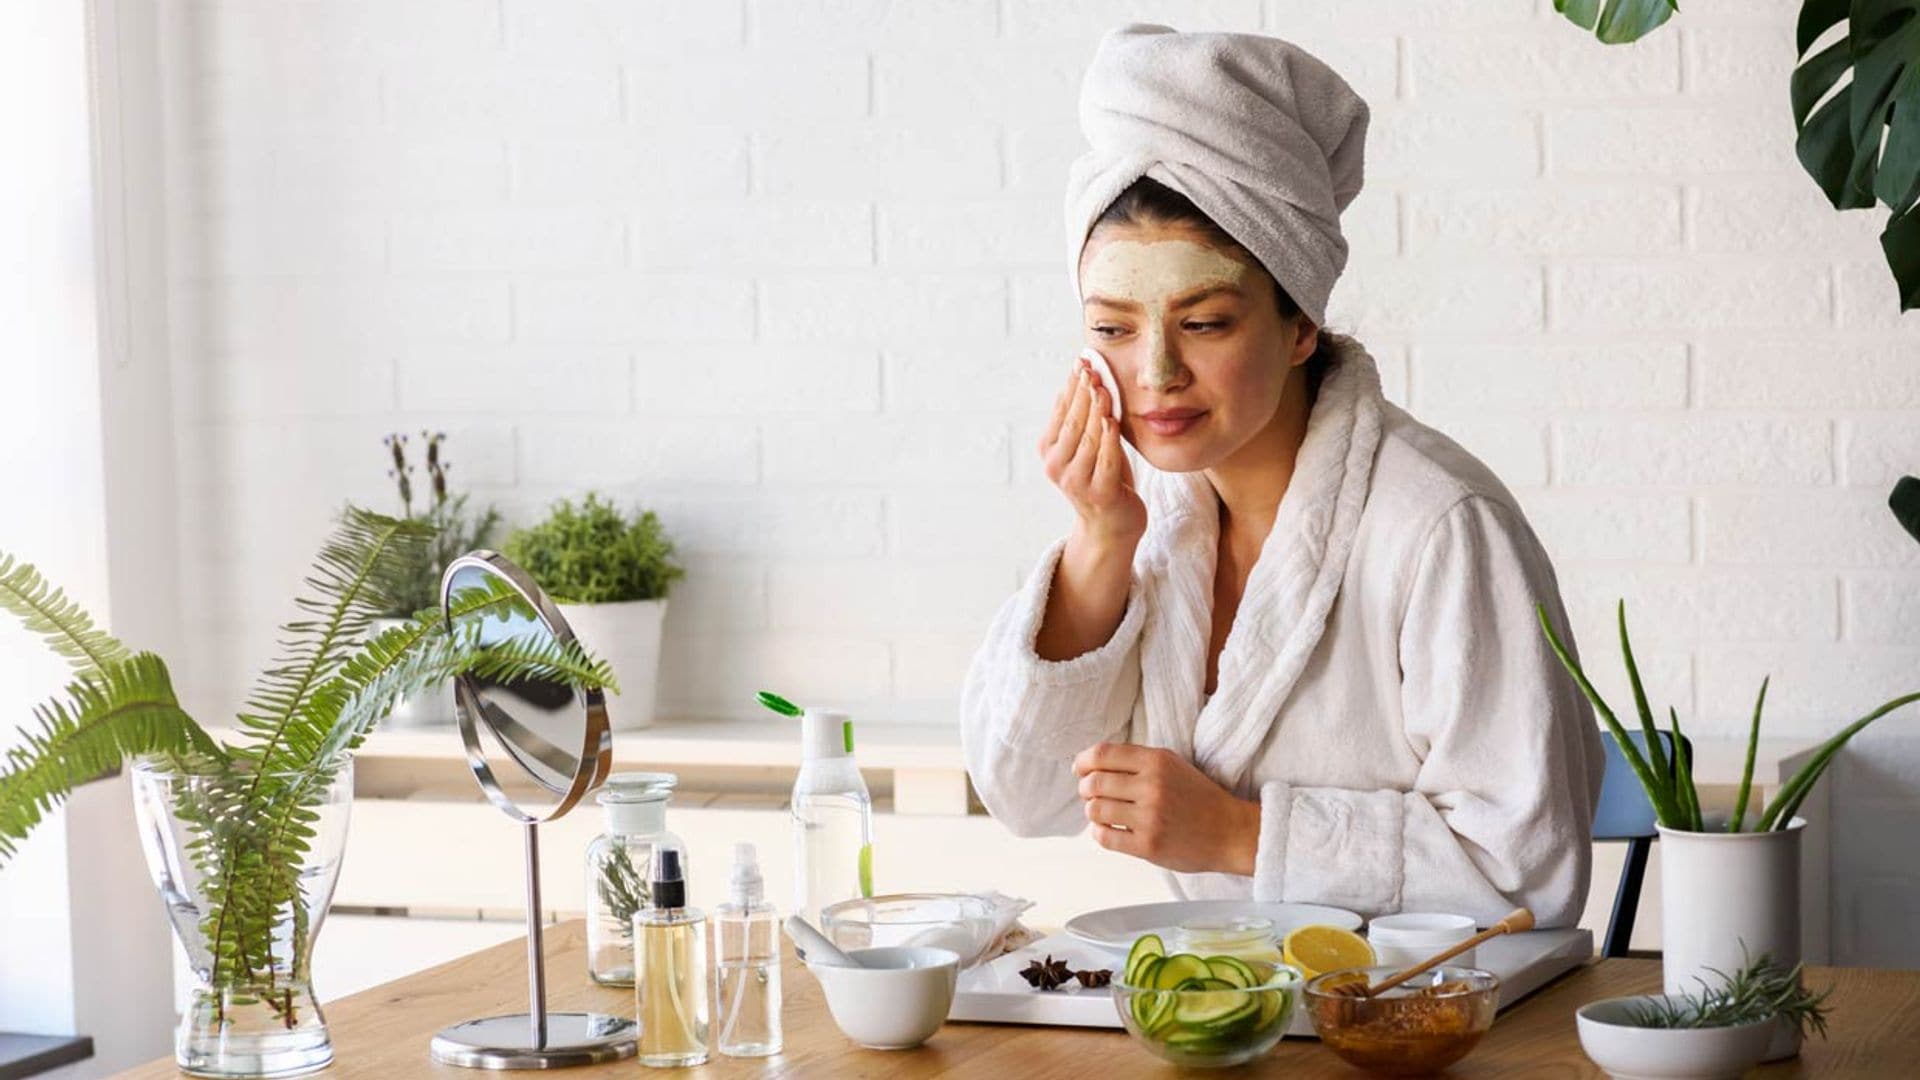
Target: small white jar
(1402,940)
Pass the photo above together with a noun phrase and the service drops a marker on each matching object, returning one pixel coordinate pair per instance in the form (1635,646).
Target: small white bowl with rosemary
(1721,1031)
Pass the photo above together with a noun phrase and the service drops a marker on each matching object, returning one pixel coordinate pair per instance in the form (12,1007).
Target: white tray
(995,993)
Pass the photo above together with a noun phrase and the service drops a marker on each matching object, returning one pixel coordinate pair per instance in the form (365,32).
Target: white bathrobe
(1385,691)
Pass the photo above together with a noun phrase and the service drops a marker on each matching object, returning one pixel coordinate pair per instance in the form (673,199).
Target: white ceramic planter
(627,636)
(432,707)
(1726,898)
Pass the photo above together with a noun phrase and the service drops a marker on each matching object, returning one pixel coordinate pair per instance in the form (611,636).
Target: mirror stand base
(508,1042)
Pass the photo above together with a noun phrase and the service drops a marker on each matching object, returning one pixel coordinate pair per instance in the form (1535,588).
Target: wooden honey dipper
(1518,920)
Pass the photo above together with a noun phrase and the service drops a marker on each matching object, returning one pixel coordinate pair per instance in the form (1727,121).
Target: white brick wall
(788,271)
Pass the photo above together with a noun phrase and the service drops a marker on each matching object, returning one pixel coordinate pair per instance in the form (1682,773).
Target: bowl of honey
(1421,1026)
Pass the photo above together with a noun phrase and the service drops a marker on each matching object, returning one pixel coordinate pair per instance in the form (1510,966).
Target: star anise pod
(1046,974)
(1093,980)
(1036,975)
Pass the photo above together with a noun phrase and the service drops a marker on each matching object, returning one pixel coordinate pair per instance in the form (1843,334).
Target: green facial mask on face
(1153,275)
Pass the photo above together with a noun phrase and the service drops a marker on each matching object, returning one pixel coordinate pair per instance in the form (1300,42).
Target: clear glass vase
(253,1013)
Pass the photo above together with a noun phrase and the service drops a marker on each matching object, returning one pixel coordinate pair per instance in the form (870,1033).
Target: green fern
(356,575)
(248,877)
(422,653)
(321,705)
(123,710)
(48,612)
(254,816)
(403,660)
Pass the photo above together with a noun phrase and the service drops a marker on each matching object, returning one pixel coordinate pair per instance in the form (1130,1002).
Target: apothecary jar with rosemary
(635,804)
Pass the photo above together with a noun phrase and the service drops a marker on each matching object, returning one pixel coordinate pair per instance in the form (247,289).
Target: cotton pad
(1101,369)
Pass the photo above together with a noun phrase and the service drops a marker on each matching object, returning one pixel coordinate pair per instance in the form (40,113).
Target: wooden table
(383,1033)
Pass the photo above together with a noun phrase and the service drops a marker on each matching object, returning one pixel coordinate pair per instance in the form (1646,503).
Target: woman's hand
(1157,805)
(1084,459)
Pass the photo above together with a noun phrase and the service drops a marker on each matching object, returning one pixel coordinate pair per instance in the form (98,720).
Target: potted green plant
(243,840)
(456,531)
(610,573)
(1729,884)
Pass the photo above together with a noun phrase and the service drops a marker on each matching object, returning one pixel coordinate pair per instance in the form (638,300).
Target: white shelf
(773,742)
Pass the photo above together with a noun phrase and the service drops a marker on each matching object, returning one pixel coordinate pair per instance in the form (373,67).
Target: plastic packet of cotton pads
(1101,369)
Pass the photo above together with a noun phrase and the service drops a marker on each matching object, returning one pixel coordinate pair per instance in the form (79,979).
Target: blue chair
(1625,814)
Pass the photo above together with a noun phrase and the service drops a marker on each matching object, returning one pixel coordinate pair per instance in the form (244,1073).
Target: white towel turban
(1261,135)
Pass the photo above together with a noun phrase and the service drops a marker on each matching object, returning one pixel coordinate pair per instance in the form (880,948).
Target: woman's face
(1194,337)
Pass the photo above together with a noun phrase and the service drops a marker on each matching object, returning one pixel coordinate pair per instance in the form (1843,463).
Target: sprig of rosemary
(622,888)
(1760,990)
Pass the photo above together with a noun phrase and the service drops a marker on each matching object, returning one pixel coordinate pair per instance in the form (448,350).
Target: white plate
(1115,928)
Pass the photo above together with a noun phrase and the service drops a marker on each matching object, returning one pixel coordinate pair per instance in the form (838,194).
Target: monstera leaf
(1860,140)
(1618,22)
(1905,501)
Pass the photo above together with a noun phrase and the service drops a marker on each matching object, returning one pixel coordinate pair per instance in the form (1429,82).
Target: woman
(1293,652)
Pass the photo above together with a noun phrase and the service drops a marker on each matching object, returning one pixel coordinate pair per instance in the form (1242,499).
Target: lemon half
(1316,950)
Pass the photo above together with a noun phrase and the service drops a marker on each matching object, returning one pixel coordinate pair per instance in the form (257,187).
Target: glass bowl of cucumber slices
(1199,1010)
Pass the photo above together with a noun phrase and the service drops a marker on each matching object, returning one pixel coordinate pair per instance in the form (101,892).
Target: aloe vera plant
(1669,781)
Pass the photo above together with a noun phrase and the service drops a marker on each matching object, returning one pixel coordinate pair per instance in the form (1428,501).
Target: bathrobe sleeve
(1023,718)
(1501,810)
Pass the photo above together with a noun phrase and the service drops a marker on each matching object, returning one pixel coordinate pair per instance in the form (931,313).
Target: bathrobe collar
(1289,591)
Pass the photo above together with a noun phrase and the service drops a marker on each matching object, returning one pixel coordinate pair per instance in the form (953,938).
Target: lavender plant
(455,530)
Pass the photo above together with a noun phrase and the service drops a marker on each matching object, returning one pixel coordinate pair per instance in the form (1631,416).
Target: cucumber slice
(1281,975)
(1150,1007)
(1214,1010)
(1144,947)
(1178,968)
(1272,1004)
(1144,976)
(1198,1041)
(1159,1014)
(1232,970)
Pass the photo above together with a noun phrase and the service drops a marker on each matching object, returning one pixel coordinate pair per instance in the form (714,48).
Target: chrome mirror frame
(535,1039)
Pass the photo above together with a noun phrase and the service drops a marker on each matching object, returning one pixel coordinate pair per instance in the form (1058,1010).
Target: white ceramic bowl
(957,921)
(1405,940)
(897,1001)
(1628,1052)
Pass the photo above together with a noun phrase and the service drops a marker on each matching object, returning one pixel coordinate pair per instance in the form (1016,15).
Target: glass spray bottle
(670,970)
(746,1000)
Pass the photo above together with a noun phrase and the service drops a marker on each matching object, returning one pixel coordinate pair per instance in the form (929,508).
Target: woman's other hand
(1083,456)
(1157,805)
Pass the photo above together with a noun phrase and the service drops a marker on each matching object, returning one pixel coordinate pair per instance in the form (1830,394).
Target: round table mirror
(536,747)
